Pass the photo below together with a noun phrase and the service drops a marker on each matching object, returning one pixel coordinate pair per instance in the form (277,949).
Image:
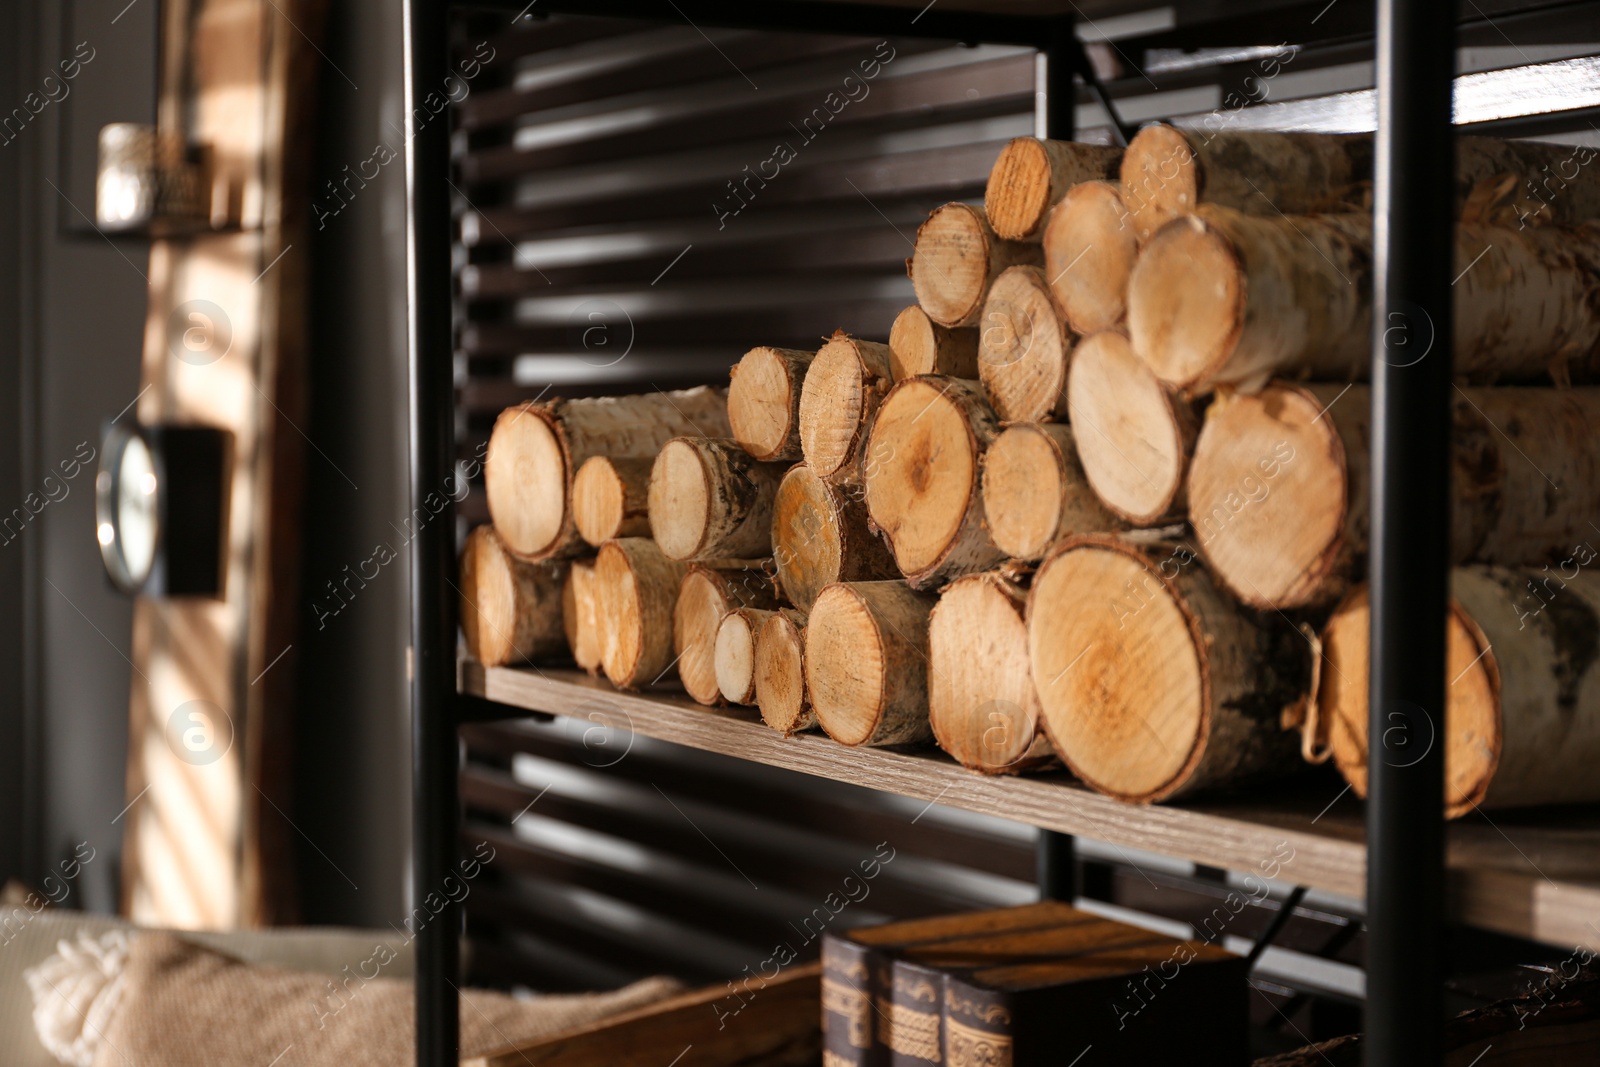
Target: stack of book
(1040,984)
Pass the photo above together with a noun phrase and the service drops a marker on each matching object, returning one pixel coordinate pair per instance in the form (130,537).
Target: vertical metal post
(1411,399)
(434,752)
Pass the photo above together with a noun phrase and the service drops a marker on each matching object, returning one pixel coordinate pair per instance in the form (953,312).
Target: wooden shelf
(1529,874)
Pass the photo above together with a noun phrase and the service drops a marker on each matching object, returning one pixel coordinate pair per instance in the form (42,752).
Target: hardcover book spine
(978,1026)
(847,1030)
(915,1033)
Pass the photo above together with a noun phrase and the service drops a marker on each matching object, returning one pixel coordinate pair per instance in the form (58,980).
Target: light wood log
(1154,684)
(821,534)
(1033,174)
(781,674)
(1089,250)
(580,617)
(866,660)
(1134,433)
(1522,707)
(1024,348)
(710,499)
(705,597)
(1035,492)
(636,590)
(611,499)
(1519,184)
(764,401)
(510,609)
(981,702)
(918,345)
(735,652)
(1223,298)
(956,258)
(536,449)
(842,390)
(923,485)
(1279,486)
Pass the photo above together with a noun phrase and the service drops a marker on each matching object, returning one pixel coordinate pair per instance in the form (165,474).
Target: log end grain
(764,400)
(1089,252)
(510,608)
(735,657)
(636,591)
(1020,189)
(1023,348)
(703,601)
(918,345)
(1186,302)
(1161,178)
(680,499)
(525,481)
(951,262)
(866,646)
(1133,439)
(807,548)
(607,499)
(780,680)
(841,391)
(579,616)
(1035,492)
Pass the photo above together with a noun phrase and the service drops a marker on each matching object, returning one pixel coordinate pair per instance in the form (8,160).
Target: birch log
(957,257)
(1134,433)
(1522,706)
(611,499)
(821,534)
(1035,492)
(866,660)
(580,615)
(918,345)
(841,394)
(1023,348)
(636,589)
(923,484)
(710,499)
(705,597)
(1033,174)
(1089,250)
(981,702)
(735,654)
(764,401)
(781,674)
(510,609)
(536,449)
(1154,684)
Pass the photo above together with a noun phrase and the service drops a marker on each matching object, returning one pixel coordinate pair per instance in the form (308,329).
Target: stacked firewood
(1102,496)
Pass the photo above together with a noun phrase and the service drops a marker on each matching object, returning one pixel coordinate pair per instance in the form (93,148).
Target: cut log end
(1023,348)
(842,389)
(764,401)
(735,658)
(510,609)
(1186,302)
(918,345)
(709,499)
(1035,492)
(806,545)
(525,481)
(1019,191)
(1160,178)
(956,258)
(866,663)
(1089,252)
(636,591)
(610,499)
(1133,438)
(578,615)
(780,680)
(680,499)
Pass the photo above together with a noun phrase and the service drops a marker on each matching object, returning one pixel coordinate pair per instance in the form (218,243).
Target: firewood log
(710,499)
(705,596)
(918,345)
(1089,249)
(1134,433)
(1279,486)
(842,390)
(1522,703)
(636,590)
(922,483)
(821,534)
(579,617)
(735,652)
(536,449)
(981,702)
(1033,174)
(956,258)
(1024,348)
(510,608)
(764,401)
(1035,492)
(1222,298)
(611,499)
(780,669)
(866,660)
(1154,684)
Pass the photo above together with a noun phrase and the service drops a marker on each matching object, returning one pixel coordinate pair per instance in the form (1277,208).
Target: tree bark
(956,258)
(981,701)
(536,449)
(736,651)
(866,660)
(636,589)
(1089,250)
(510,609)
(579,615)
(922,478)
(611,499)
(1035,492)
(1154,684)
(842,391)
(764,401)
(1033,174)
(1023,348)
(781,674)
(705,596)
(918,345)
(821,534)
(710,499)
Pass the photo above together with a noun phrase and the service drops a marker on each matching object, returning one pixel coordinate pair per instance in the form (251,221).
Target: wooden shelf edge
(1297,836)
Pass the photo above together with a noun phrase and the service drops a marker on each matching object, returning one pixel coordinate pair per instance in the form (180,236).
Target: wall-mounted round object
(161,509)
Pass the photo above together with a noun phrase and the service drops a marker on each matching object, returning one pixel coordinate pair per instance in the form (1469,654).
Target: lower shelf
(1533,874)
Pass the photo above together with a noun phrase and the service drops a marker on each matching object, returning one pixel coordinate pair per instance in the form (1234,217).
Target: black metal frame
(1412,253)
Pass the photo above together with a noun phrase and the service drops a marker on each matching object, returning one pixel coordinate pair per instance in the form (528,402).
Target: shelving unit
(1533,877)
